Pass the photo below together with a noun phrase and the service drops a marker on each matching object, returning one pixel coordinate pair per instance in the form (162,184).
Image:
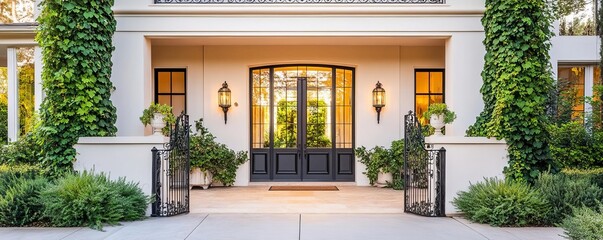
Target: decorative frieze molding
(300,1)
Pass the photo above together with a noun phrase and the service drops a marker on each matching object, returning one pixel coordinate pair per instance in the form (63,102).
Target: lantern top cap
(378,87)
(224,85)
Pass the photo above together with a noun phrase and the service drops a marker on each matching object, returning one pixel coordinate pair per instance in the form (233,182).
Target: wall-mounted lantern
(224,99)
(378,99)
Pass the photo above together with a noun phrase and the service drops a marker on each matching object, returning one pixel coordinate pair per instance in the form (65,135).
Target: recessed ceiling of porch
(331,40)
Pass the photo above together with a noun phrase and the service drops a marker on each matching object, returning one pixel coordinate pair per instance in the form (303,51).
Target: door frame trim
(334,152)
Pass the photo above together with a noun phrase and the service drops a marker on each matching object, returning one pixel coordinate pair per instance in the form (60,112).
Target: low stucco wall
(469,160)
(128,157)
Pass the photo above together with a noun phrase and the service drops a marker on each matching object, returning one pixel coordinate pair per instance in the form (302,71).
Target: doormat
(303,188)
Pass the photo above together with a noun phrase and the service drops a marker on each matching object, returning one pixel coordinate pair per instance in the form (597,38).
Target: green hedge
(573,147)
(89,199)
(26,150)
(595,174)
(564,192)
(502,203)
(9,174)
(20,204)
(86,199)
(584,224)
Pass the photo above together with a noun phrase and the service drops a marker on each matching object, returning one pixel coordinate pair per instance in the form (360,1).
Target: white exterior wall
(464,63)
(132,80)
(140,23)
(574,50)
(147,6)
(209,66)
(469,160)
(128,157)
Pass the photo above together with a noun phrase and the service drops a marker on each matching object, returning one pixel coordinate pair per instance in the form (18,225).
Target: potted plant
(211,160)
(439,115)
(383,165)
(160,117)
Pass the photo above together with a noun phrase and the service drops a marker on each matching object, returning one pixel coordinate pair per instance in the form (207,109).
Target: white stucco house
(310,57)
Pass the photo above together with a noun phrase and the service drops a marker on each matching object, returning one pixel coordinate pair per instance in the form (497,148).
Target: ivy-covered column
(517,78)
(76,42)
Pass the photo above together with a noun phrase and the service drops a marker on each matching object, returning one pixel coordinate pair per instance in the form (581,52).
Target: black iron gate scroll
(170,174)
(424,172)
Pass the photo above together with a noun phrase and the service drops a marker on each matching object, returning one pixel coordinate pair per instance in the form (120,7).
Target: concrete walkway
(233,226)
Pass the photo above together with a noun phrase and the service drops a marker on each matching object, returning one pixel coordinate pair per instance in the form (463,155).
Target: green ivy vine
(76,42)
(517,79)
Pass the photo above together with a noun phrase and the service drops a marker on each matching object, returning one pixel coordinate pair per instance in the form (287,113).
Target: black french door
(302,124)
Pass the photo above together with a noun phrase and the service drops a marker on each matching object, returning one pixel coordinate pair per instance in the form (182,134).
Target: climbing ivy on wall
(517,78)
(76,41)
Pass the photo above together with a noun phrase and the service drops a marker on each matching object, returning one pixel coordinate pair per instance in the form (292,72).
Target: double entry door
(302,123)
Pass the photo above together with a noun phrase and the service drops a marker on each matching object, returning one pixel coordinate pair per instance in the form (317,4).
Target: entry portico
(217,43)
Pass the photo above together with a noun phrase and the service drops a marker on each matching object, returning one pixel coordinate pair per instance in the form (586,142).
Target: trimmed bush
(595,174)
(132,199)
(502,203)
(26,150)
(87,199)
(20,205)
(572,146)
(11,173)
(585,224)
(564,192)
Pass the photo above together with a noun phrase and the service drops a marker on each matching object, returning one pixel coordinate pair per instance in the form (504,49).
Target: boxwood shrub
(595,174)
(88,199)
(20,203)
(584,224)
(502,203)
(566,191)
(11,173)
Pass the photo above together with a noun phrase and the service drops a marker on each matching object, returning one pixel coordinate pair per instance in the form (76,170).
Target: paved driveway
(233,226)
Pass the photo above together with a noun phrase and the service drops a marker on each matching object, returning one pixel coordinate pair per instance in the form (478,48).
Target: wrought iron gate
(171,172)
(424,172)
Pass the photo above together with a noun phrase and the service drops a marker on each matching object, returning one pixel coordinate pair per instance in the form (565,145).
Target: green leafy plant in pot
(214,160)
(383,165)
(160,117)
(439,115)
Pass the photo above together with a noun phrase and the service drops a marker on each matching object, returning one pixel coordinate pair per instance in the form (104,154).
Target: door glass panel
(260,108)
(277,112)
(285,107)
(318,110)
(343,109)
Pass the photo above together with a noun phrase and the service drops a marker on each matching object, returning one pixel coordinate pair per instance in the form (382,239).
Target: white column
(13,94)
(38,93)
(589,77)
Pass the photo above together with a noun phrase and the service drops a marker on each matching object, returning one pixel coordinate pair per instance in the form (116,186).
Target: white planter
(200,178)
(384,178)
(157,123)
(437,122)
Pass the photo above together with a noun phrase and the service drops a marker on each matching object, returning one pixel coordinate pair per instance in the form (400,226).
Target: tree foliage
(16,11)
(286,119)
(567,7)
(76,41)
(517,80)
